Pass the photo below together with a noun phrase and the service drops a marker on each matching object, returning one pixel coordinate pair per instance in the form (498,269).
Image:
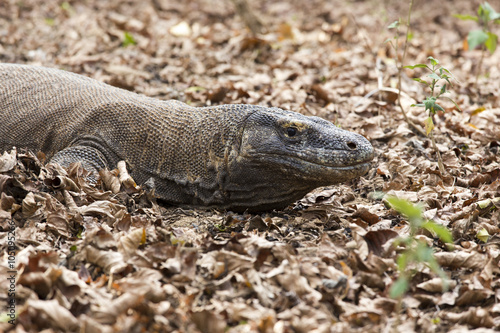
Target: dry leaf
(8,160)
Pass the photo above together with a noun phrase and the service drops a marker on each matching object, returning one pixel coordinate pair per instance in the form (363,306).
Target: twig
(478,70)
(438,153)
(400,72)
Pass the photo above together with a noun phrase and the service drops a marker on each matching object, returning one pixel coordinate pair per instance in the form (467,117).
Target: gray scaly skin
(234,157)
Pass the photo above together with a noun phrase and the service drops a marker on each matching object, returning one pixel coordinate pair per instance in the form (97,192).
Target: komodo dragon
(234,157)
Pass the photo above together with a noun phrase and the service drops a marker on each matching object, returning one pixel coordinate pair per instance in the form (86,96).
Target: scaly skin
(234,157)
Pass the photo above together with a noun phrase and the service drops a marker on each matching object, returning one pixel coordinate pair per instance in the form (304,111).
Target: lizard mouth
(338,163)
(346,165)
(314,171)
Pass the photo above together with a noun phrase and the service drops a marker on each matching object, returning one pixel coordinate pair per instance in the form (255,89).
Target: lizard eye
(291,131)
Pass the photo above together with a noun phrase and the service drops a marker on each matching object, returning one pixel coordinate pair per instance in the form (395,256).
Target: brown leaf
(110,180)
(366,216)
(50,311)
(475,317)
(58,222)
(217,95)
(8,160)
(125,223)
(435,285)
(101,237)
(320,93)
(110,261)
(129,243)
(37,281)
(103,207)
(461,259)
(61,183)
(363,317)
(29,205)
(107,312)
(125,178)
(257,223)
(377,238)
(6,202)
(208,321)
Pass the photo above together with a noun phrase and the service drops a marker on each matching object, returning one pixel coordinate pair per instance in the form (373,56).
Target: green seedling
(128,39)
(484,37)
(416,252)
(430,103)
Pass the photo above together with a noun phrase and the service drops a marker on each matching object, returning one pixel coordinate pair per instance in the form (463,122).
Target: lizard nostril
(352,145)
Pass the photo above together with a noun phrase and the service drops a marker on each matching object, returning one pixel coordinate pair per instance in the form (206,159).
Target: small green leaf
(393,25)
(483,235)
(491,42)
(421,81)
(466,17)
(434,76)
(484,203)
(441,231)
(486,12)
(419,105)
(417,66)
(443,89)
(456,105)
(411,211)
(399,287)
(195,89)
(441,69)
(433,61)
(220,227)
(128,39)
(49,21)
(402,261)
(66,6)
(476,38)
(436,321)
(430,104)
(483,12)
(438,107)
(444,77)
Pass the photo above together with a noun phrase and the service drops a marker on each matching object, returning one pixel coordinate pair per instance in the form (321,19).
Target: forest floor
(94,260)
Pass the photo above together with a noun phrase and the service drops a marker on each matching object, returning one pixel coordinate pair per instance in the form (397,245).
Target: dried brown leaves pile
(110,258)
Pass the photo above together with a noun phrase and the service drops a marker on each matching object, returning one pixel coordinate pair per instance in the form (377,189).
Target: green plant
(430,104)
(128,39)
(66,6)
(416,252)
(483,37)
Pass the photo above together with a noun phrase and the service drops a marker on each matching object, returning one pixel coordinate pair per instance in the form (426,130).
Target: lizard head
(282,155)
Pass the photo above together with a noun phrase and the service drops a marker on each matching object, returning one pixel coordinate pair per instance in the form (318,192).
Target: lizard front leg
(91,158)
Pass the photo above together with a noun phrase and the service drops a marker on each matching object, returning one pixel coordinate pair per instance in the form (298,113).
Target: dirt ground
(94,259)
